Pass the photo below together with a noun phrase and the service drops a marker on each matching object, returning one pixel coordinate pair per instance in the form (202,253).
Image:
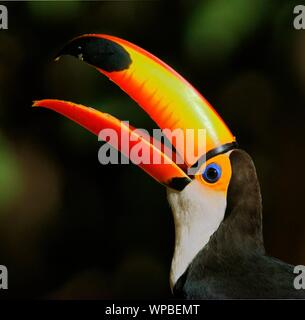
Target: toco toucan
(219,251)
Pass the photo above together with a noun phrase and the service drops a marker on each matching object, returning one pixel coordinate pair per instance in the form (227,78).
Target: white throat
(198,212)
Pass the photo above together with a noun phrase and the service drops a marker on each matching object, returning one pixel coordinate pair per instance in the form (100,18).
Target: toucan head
(198,198)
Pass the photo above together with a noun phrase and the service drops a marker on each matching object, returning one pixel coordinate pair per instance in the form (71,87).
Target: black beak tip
(99,52)
(179,184)
(72,48)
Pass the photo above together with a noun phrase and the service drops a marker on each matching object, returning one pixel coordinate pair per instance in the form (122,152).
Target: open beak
(164,95)
(165,171)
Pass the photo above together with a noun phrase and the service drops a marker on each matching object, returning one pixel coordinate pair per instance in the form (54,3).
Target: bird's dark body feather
(233,264)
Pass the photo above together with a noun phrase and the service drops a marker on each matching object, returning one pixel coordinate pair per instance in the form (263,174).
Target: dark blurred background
(72,228)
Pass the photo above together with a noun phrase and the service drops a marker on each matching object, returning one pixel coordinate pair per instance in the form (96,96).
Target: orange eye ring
(222,180)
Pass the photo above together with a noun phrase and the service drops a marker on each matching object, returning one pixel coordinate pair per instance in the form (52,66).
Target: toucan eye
(212,173)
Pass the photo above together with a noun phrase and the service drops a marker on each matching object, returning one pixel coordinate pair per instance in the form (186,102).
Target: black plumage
(233,264)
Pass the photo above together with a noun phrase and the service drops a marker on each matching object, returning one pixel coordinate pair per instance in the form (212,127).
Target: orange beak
(164,95)
(165,171)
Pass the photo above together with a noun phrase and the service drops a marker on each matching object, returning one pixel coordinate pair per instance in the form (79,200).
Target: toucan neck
(239,234)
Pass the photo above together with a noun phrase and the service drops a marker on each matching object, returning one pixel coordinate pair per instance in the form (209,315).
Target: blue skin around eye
(205,173)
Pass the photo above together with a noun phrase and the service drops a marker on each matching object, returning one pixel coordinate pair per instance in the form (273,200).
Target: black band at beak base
(214,152)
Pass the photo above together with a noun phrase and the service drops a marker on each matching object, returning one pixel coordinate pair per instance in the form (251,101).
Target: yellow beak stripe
(165,96)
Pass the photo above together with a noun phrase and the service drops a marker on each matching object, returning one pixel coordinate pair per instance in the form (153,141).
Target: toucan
(219,250)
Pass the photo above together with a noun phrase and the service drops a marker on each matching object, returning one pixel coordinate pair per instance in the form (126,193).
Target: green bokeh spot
(54,10)
(218,27)
(10,176)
